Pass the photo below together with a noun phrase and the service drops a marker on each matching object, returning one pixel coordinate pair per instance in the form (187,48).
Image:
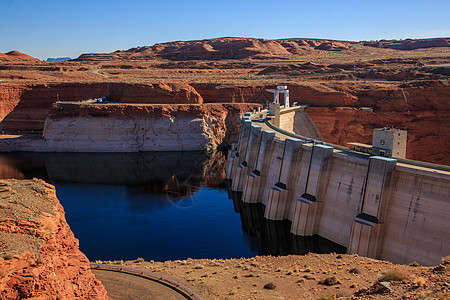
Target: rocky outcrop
(131,128)
(172,93)
(39,255)
(16,56)
(233,94)
(221,48)
(25,107)
(410,44)
(257,94)
(242,48)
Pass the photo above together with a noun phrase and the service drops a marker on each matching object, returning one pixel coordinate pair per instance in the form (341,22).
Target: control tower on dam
(366,197)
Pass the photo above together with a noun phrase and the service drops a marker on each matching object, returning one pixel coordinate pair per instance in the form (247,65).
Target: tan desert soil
(311,276)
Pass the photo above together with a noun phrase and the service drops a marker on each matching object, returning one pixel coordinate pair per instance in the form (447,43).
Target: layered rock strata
(131,128)
(25,107)
(422,110)
(39,255)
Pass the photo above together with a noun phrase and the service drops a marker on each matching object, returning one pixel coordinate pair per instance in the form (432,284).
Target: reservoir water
(158,206)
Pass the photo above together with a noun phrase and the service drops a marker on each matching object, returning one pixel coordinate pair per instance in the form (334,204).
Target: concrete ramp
(305,126)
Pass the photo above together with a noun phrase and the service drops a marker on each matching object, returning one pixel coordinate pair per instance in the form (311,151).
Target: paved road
(121,283)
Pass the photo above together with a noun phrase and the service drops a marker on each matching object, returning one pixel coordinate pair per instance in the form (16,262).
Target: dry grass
(394,275)
(326,296)
(419,281)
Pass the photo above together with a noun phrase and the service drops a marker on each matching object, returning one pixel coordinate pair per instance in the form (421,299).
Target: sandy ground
(312,276)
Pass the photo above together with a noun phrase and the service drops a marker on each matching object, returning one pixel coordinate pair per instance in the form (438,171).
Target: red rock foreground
(39,255)
(311,276)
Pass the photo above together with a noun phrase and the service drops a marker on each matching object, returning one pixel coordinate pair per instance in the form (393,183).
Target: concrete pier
(372,205)
(252,191)
(307,209)
(278,204)
(249,146)
(367,228)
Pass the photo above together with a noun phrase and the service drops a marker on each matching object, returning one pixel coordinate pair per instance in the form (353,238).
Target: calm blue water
(160,206)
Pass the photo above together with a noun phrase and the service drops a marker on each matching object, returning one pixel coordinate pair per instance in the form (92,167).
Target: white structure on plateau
(390,139)
(388,142)
(281,89)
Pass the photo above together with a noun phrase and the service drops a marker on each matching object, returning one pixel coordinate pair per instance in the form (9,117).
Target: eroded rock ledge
(114,127)
(39,255)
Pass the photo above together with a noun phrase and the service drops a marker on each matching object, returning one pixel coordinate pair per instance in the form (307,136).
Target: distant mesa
(252,48)
(409,44)
(58,59)
(16,56)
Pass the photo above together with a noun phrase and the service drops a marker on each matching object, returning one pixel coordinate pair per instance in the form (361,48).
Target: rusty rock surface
(39,255)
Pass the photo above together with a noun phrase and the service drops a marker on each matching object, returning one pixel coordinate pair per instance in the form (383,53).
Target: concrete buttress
(306,210)
(247,157)
(254,182)
(367,228)
(233,153)
(278,203)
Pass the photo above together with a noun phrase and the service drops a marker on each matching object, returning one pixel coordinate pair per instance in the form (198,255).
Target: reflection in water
(157,205)
(274,237)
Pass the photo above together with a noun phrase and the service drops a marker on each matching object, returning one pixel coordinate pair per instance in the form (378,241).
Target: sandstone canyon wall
(131,128)
(25,107)
(425,113)
(40,258)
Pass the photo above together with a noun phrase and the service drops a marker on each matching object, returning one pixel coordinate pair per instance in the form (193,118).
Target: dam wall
(374,206)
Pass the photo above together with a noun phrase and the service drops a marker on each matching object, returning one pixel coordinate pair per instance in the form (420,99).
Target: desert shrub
(414,264)
(394,275)
(326,296)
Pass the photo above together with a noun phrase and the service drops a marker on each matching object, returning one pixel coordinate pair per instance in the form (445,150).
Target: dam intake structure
(376,206)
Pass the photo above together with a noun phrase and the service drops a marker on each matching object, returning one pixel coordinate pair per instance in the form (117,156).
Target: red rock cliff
(39,255)
(25,107)
(428,137)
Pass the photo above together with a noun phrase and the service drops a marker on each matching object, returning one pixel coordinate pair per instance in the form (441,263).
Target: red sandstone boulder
(41,258)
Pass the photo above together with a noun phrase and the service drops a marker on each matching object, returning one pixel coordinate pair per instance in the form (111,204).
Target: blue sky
(69,28)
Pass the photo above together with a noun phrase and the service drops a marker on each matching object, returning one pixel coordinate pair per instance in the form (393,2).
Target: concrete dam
(376,206)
